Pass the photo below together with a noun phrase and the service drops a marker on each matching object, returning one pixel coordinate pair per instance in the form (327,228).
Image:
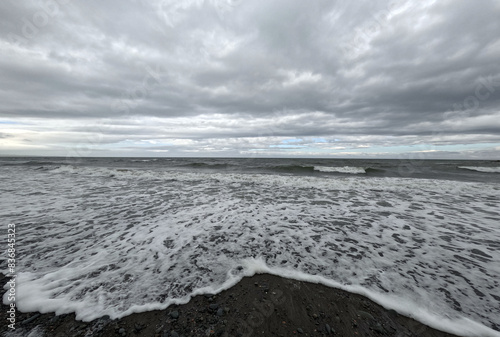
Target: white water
(141,240)
(481,169)
(343,169)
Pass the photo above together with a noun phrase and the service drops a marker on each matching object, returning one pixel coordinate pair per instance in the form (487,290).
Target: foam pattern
(100,241)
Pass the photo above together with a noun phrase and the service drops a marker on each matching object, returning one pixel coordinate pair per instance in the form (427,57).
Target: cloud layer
(250,78)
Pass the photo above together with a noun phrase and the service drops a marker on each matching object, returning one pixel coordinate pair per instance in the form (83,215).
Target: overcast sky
(321,78)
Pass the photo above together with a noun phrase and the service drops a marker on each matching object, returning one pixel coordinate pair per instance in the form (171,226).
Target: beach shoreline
(261,305)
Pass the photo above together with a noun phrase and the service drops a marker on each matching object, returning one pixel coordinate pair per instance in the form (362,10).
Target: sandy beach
(262,305)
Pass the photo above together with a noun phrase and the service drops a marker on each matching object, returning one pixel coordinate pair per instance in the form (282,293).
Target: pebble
(299,330)
(328,329)
(365,315)
(220,312)
(213,306)
(174,314)
(174,334)
(138,327)
(122,332)
(31,319)
(379,328)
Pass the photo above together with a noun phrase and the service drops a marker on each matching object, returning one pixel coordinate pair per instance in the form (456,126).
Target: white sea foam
(116,241)
(343,169)
(481,169)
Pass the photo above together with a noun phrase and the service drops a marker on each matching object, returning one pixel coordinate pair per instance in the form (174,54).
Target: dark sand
(262,305)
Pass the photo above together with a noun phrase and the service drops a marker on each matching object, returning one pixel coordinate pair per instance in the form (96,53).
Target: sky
(250,78)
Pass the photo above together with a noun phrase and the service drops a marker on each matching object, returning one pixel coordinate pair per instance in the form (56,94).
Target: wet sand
(262,305)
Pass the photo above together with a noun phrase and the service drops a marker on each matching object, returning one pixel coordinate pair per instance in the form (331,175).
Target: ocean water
(114,236)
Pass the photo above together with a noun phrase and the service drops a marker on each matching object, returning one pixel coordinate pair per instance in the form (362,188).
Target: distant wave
(290,168)
(206,165)
(31,163)
(481,169)
(344,169)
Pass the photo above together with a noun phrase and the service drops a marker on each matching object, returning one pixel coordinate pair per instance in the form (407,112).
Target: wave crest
(481,169)
(343,169)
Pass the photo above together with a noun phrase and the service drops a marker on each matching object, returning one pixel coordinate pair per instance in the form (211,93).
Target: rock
(299,330)
(122,332)
(226,310)
(174,334)
(213,306)
(31,319)
(379,328)
(220,312)
(174,314)
(328,329)
(365,315)
(392,312)
(138,327)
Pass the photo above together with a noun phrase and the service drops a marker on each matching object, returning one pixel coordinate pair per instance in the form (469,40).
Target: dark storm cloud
(216,69)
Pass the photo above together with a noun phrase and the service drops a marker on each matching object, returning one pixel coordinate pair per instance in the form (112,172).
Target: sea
(113,236)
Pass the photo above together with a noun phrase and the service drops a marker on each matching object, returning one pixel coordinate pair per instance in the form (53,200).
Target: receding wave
(341,169)
(483,169)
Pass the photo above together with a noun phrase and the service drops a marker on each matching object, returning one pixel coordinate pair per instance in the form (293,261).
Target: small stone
(174,334)
(220,312)
(138,327)
(365,315)
(213,306)
(122,332)
(256,284)
(328,329)
(299,330)
(31,319)
(379,328)
(392,312)
(174,314)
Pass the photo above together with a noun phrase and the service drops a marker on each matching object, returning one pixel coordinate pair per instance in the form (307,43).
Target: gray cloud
(233,76)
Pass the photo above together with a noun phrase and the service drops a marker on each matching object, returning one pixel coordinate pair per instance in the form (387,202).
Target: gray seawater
(109,236)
